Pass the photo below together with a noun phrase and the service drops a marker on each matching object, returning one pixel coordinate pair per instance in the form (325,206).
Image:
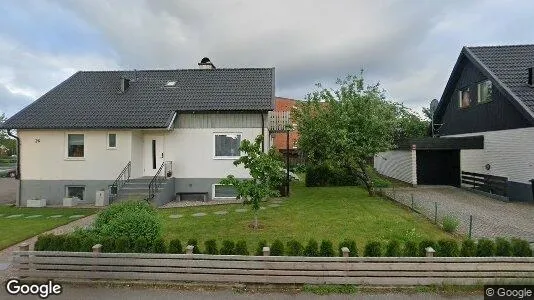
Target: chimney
(206,64)
(125,83)
(530,81)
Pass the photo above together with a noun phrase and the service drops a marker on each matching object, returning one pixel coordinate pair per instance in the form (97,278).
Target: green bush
(450,224)
(351,244)
(277,248)
(520,248)
(393,249)
(312,248)
(122,244)
(294,248)
(56,243)
(210,247)
(194,242)
(424,244)
(326,249)
(485,248)
(373,249)
(228,247)
(502,247)
(175,247)
(323,175)
(141,245)
(115,209)
(71,243)
(43,242)
(241,248)
(159,246)
(410,249)
(447,248)
(259,249)
(469,248)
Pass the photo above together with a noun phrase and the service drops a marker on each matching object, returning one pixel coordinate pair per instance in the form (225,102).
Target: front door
(153,154)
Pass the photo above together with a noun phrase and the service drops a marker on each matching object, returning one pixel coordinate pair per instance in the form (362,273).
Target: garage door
(438,167)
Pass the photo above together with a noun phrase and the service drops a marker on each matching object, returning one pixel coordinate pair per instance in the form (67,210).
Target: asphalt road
(102,293)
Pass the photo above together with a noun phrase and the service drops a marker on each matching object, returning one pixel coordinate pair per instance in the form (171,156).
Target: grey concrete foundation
(55,190)
(196,185)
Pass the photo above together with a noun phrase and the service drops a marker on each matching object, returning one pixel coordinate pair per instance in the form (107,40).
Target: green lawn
(333,213)
(17,229)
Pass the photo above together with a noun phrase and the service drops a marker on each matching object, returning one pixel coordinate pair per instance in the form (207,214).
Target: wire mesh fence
(473,223)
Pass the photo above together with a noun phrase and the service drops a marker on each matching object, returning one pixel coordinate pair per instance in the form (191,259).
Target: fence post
(436,212)
(266,251)
(345,251)
(24,247)
(97,249)
(412,202)
(470,225)
(430,251)
(189,249)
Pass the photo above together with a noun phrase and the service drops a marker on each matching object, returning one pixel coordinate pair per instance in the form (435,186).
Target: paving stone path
(221,212)
(56,216)
(274,205)
(263,207)
(175,216)
(75,216)
(33,216)
(240,210)
(200,214)
(13,216)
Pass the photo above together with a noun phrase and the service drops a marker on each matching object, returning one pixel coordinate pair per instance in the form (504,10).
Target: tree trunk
(366,179)
(255,220)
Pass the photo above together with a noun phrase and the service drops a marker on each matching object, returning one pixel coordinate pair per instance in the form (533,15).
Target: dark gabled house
(488,108)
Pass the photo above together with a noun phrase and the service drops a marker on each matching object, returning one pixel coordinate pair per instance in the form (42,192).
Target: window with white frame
(227,145)
(465,97)
(75,191)
(75,146)
(221,191)
(112,140)
(484,91)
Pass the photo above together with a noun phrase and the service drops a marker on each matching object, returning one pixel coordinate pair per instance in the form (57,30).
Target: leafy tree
(6,140)
(266,170)
(344,128)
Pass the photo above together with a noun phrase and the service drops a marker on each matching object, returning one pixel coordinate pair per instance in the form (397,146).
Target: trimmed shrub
(277,248)
(56,243)
(469,248)
(326,249)
(122,244)
(175,247)
(447,248)
(194,242)
(312,248)
(424,244)
(210,247)
(43,242)
(485,248)
(241,248)
(520,248)
(159,246)
(259,249)
(351,244)
(502,247)
(373,249)
(393,249)
(410,249)
(228,247)
(133,219)
(141,245)
(294,248)
(71,243)
(450,224)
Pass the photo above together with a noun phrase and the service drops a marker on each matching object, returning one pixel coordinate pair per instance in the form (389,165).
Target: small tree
(266,170)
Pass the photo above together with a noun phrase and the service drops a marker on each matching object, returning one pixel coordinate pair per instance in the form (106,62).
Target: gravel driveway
(8,190)
(491,218)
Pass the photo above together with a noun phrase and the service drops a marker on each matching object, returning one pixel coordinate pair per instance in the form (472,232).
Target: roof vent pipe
(205,63)
(530,81)
(125,84)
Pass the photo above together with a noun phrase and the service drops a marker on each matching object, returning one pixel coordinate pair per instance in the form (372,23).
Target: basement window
(484,91)
(224,192)
(75,191)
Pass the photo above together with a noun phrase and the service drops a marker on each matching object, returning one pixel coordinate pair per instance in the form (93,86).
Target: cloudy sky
(408,46)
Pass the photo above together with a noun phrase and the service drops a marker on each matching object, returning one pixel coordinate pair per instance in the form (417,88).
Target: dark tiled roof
(93,99)
(509,65)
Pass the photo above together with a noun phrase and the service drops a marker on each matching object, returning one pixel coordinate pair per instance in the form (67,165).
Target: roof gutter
(17,174)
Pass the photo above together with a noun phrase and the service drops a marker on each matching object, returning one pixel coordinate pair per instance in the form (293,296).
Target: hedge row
(323,175)
(446,247)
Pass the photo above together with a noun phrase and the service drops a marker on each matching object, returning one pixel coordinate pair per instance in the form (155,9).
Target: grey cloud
(11,103)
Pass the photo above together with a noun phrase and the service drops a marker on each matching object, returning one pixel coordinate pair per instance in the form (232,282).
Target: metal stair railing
(121,180)
(164,171)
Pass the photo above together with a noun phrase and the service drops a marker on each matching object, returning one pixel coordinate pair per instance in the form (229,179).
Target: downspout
(262,133)
(17,174)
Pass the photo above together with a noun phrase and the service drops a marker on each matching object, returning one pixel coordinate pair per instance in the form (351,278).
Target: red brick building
(279,139)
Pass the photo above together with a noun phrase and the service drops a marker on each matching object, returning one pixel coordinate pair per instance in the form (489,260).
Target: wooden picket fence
(272,269)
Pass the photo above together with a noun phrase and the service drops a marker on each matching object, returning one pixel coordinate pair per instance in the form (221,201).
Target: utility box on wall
(101,198)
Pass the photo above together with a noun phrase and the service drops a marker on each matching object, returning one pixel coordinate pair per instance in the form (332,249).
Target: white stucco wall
(398,164)
(510,153)
(44,155)
(137,154)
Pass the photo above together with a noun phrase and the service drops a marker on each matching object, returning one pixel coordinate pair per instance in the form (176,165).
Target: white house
(101,129)
(485,128)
